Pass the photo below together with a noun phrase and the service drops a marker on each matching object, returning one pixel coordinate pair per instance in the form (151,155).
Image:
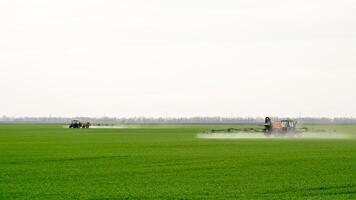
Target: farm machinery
(285,127)
(282,127)
(78,124)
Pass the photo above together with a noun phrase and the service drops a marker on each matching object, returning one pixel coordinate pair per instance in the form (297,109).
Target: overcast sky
(184,58)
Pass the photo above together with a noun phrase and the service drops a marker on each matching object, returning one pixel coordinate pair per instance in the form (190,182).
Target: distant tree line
(178,120)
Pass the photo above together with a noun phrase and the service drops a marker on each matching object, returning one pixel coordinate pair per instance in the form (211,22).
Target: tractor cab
(75,124)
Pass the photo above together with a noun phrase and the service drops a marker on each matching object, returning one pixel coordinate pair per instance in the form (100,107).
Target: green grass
(169,162)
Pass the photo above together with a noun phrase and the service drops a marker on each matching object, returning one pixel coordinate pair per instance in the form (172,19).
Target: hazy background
(184,58)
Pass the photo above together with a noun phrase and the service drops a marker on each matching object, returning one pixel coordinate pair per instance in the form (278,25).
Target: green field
(170,162)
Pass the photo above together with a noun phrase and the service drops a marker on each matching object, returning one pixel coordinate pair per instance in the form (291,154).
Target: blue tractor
(78,124)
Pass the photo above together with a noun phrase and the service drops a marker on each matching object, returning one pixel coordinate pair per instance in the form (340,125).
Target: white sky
(187,58)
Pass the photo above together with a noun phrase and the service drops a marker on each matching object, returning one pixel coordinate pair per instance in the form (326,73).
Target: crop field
(170,162)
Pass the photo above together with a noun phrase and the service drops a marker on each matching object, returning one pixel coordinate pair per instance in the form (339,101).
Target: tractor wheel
(267,133)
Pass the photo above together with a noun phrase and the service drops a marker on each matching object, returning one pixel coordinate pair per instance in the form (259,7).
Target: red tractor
(282,127)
